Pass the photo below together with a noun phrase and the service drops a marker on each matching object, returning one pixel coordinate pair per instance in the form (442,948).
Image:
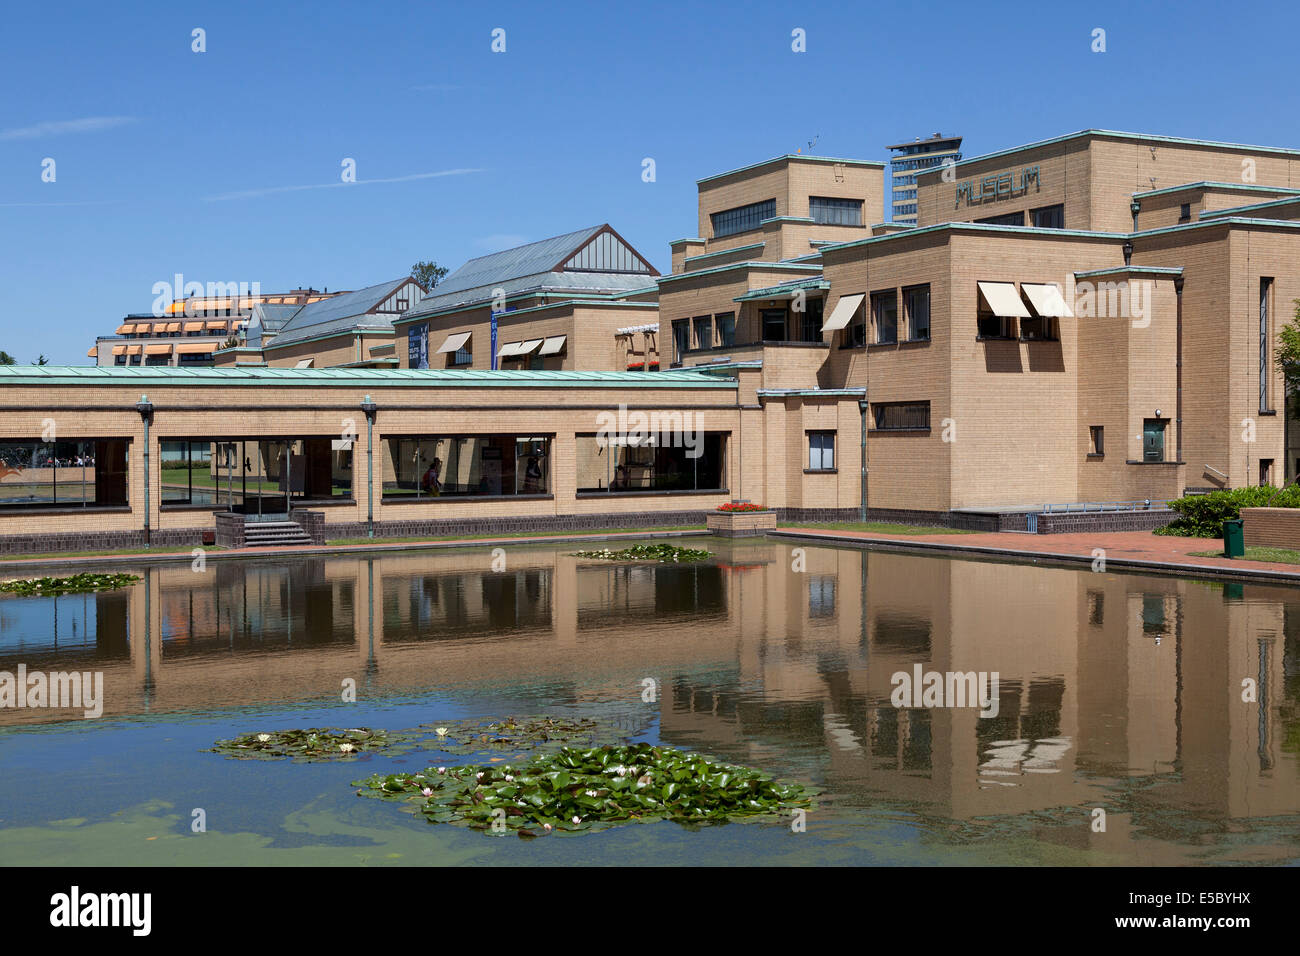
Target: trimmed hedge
(1202,516)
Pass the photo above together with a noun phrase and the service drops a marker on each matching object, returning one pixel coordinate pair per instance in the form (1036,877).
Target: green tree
(41,360)
(428,274)
(7,359)
(1288,353)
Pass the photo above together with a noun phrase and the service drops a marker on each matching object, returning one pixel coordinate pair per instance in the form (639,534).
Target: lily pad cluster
(82,583)
(517,734)
(315,743)
(574,790)
(662,552)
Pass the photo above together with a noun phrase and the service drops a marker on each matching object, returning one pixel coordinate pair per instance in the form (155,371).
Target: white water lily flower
(441,731)
(442,770)
(479,775)
(509,779)
(591,793)
(546,826)
(346,748)
(263,737)
(427,791)
(577,819)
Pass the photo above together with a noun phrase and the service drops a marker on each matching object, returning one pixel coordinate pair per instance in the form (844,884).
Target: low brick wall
(99,540)
(741,524)
(1105,521)
(230,529)
(311,522)
(1271,527)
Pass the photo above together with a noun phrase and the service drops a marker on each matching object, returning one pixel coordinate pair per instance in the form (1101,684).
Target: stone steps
(270,534)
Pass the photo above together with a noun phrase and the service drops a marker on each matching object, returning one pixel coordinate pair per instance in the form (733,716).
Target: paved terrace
(1125,550)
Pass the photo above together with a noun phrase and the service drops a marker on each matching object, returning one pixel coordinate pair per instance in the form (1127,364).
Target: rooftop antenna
(813,142)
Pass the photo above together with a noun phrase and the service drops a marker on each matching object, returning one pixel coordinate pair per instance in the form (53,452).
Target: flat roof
(974,227)
(789,156)
(1204,184)
(1119,134)
(161,376)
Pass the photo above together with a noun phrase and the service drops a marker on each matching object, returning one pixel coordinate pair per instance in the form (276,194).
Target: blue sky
(172,161)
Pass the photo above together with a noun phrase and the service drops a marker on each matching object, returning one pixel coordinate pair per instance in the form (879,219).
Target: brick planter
(740,524)
(1271,527)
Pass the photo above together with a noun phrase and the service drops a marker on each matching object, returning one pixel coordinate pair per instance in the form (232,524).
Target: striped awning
(215,324)
(133,350)
(195,348)
(193,326)
(93,351)
(126,327)
(120,349)
(173,327)
(158,349)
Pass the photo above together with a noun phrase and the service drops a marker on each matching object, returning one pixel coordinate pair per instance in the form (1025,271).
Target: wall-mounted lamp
(1128,252)
(1157,413)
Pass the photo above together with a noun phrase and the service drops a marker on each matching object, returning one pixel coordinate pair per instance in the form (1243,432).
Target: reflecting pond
(1173,705)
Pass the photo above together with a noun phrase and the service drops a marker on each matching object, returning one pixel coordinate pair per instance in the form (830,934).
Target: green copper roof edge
(1210,184)
(1114,270)
(787,156)
(261,376)
(1234,210)
(726,252)
(1220,221)
(766,293)
(1117,134)
(974,227)
(764,222)
(778,265)
(673,242)
(820,392)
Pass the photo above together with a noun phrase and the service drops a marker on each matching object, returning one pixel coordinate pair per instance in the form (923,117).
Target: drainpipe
(145,408)
(1178,402)
(370,408)
(862,509)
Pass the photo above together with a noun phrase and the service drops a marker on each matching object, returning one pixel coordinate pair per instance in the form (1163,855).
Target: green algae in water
(315,743)
(83,583)
(577,790)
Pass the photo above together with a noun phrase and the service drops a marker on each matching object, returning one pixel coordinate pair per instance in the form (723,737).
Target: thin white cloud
(500,240)
(87,124)
(270,190)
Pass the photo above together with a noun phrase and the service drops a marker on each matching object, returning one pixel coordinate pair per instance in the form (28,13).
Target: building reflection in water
(1108,684)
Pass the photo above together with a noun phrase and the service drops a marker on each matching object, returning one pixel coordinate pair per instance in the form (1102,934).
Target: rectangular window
(884,312)
(666,457)
(703,331)
(773,325)
(1265,344)
(1006,219)
(901,416)
(451,466)
(1048,217)
(1185,212)
(821,451)
(1265,472)
(835,212)
(681,339)
(856,334)
(1153,440)
(725,323)
(65,474)
(810,321)
(917,301)
(729,222)
(821,595)
(462,356)
(1096,440)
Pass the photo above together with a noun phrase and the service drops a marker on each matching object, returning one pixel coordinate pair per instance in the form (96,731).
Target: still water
(1171,704)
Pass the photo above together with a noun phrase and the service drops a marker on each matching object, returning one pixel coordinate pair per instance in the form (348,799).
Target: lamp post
(1135,207)
(370,409)
(145,408)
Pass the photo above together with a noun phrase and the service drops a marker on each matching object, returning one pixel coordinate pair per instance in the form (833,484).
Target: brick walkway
(1124,549)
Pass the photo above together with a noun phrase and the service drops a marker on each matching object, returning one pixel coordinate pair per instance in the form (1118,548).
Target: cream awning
(119,349)
(304,363)
(123,329)
(526,347)
(133,350)
(94,350)
(216,325)
(193,326)
(1047,300)
(1002,300)
(195,348)
(453,343)
(158,349)
(510,348)
(173,326)
(553,345)
(843,311)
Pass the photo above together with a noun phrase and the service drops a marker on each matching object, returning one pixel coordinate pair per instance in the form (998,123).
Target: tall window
(810,321)
(666,456)
(836,212)
(726,326)
(1153,440)
(742,218)
(884,312)
(821,451)
(773,325)
(681,338)
(1265,349)
(1096,440)
(703,331)
(917,300)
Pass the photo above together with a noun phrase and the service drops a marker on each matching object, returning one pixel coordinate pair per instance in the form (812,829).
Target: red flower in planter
(732,506)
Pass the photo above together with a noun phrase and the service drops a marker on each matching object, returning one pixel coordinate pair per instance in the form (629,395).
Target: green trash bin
(1234,539)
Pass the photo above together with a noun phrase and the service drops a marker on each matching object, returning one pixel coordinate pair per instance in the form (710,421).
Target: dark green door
(1153,441)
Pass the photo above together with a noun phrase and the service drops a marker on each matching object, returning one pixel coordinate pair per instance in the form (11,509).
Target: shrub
(1202,516)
